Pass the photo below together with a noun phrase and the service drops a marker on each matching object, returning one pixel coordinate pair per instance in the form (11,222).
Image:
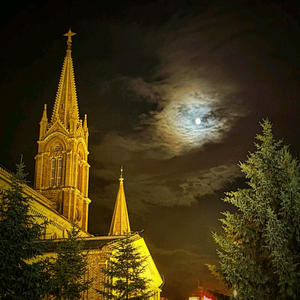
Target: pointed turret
(120,221)
(66,106)
(85,123)
(43,123)
(85,129)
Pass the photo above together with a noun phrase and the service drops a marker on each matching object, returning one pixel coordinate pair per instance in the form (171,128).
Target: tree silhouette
(260,248)
(21,265)
(67,273)
(124,274)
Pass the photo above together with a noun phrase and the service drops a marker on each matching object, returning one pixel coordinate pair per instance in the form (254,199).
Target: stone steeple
(61,167)
(66,105)
(43,123)
(120,220)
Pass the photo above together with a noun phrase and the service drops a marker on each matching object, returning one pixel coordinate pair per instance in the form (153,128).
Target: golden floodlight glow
(198,121)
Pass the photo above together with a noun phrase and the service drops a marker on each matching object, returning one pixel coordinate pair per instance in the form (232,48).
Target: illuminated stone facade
(41,208)
(61,167)
(60,193)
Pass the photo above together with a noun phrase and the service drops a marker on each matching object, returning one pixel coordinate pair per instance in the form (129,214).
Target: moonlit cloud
(144,190)
(174,128)
(172,131)
(209,181)
(190,82)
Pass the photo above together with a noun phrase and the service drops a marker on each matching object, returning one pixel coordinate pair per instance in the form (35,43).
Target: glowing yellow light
(197,121)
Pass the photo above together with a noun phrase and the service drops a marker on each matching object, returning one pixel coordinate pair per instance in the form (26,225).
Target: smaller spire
(85,129)
(43,123)
(44,117)
(69,34)
(120,220)
(85,122)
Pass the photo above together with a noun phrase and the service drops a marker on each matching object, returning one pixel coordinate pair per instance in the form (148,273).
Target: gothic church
(60,193)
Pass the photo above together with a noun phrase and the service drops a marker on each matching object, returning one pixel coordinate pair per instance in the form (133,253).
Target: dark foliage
(67,273)
(124,278)
(22,273)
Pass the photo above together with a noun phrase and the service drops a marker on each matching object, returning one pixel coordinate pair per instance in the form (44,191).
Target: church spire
(120,221)
(61,164)
(43,123)
(66,106)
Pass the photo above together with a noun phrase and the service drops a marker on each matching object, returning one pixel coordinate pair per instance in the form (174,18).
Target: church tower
(120,220)
(61,167)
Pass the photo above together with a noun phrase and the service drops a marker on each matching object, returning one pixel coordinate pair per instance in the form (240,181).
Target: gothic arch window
(80,168)
(52,173)
(59,170)
(56,170)
(79,175)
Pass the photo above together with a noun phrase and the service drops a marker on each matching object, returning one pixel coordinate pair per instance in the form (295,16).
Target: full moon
(198,121)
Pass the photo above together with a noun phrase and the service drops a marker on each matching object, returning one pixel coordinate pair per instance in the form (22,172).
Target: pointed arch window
(79,175)
(59,170)
(56,171)
(52,176)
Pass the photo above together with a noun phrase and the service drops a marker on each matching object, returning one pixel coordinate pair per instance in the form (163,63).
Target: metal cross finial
(121,172)
(69,34)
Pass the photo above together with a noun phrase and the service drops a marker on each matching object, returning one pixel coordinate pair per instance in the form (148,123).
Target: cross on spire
(121,172)
(69,34)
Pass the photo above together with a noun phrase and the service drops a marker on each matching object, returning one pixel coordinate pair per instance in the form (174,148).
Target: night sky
(144,72)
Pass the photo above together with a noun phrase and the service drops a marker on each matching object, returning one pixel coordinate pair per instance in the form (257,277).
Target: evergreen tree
(67,273)
(260,248)
(124,274)
(21,270)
